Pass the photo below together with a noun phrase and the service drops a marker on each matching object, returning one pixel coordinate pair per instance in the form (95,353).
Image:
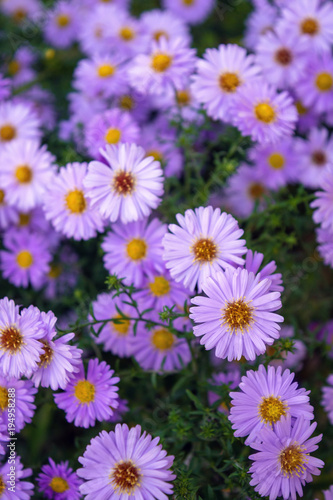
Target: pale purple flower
(325,245)
(23,490)
(20,66)
(260,21)
(192,11)
(323,203)
(59,481)
(329,493)
(22,403)
(62,25)
(22,10)
(8,214)
(316,90)
(4,87)
(253,261)
(94,33)
(118,413)
(128,35)
(42,103)
(158,23)
(17,121)
(327,400)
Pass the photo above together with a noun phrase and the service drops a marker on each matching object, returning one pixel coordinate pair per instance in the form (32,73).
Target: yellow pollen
(160,286)
(204,250)
(14,67)
(24,259)
(256,191)
(158,34)
(7,132)
(2,196)
(55,271)
(123,325)
(238,315)
(183,97)
(271,409)
(276,161)
(127,33)
(23,174)
(63,20)
(265,112)
(319,158)
(46,357)
(292,460)
(229,82)
(112,136)
(84,391)
(283,56)
(2,485)
(161,62)
(324,82)
(3,398)
(162,339)
(24,219)
(136,249)
(157,155)
(309,26)
(126,102)
(75,201)
(302,110)
(49,54)
(105,70)
(11,339)
(59,485)
(125,477)
(123,183)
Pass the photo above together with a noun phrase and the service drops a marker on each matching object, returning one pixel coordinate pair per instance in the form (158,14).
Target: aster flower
(26,171)
(8,214)
(94,33)
(205,242)
(283,463)
(260,21)
(17,121)
(19,339)
(128,35)
(325,245)
(133,249)
(327,400)
(236,316)
(323,203)
(63,274)
(136,183)
(184,107)
(192,11)
(20,68)
(316,90)
(158,23)
(260,112)
(24,401)
(168,65)
(62,24)
(118,413)
(42,103)
(264,398)
(59,481)
(127,463)
(26,258)
(23,489)
(91,398)
(230,377)
(67,206)
(21,10)
(220,75)
(252,264)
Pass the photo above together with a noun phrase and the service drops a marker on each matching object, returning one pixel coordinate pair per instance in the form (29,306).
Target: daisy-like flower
(230,377)
(323,203)
(125,463)
(115,336)
(205,242)
(8,214)
(24,401)
(91,398)
(26,171)
(325,245)
(23,490)
(22,10)
(67,206)
(283,463)
(327,400)
(220,75)
(20,348)
(236,316)
(158,23)
(17,121)
(260,21)
(63,274)
(168,66)
(59,481)
(192,11)
(260,112)
(61,26)
(128,34)
(133,249)
(264,398)
(127,186)
(94,33)
(26,258)
(252,264)
(20,68)
(316,90)
(111,127)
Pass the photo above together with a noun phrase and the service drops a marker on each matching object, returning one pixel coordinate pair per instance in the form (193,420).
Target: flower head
(17,121)
(192,11)
(24,401)
(327,399)
(59,482)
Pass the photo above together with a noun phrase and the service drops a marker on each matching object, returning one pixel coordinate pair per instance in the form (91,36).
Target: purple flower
(128,186)
(323,203)
(327,400)
(118,413)
(205,242)
(59,482)
(293,360)
(158,23)
(316,90)
(329,493)
(4,87)
(253,262)
(260,21)
(283,463)
(23,401)
(20,66)
(193,12)
(62,25)
(325,245)
(8,214)
(23,490)
(230,377)
(265,397)
(124,462)
(236,316)
(91,398)
(63,274)
(17,121)
(128,35)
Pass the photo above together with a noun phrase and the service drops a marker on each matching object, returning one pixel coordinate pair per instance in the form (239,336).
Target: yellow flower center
(58,484)
(14,67)
(161,62)
(49,54)
(292,460)
(265,112)
(2,196)
(75,201)
(157,155)
(136,249)
(24,219)
(63,20)
(183,97)
(204,250)
(24,259)
(55,271)
(125,477)
(19,15)
(160,286)
(159,33)
(309,26)
(126,33)
(105,70)
(188,2)
(229,82)
(122,326)
(256,191)
(45,358)
(301,109)
(283,56)
(319,158)
(2,485)
(162,339)
(324,82)
(11,339)
(276,161)
(238,315)
(7,132)
(126,102)
(112,136)
(271,409)
(3,398)
(123,183)
(23,174)
(84,391)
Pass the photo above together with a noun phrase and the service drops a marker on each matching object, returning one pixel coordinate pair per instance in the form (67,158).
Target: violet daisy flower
(252,264)
(128,35)
(158,23)
(260,112)
(127,186)
(67,206)
(327,400)
(264,398)
(192,11)
(26,171)
(205,242)
(17,121)
(20,66)
(323,203)
(325,245)
(283,463)
(125,463)
(62,24)
(236,316)
(230,377)
(26,258)
(316,90)
(90,398)
(8,214)
(260,21)
(220,75)
(59,481)
(24,401)
(94,34)
(132,250)
(20,348)
(23,490)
